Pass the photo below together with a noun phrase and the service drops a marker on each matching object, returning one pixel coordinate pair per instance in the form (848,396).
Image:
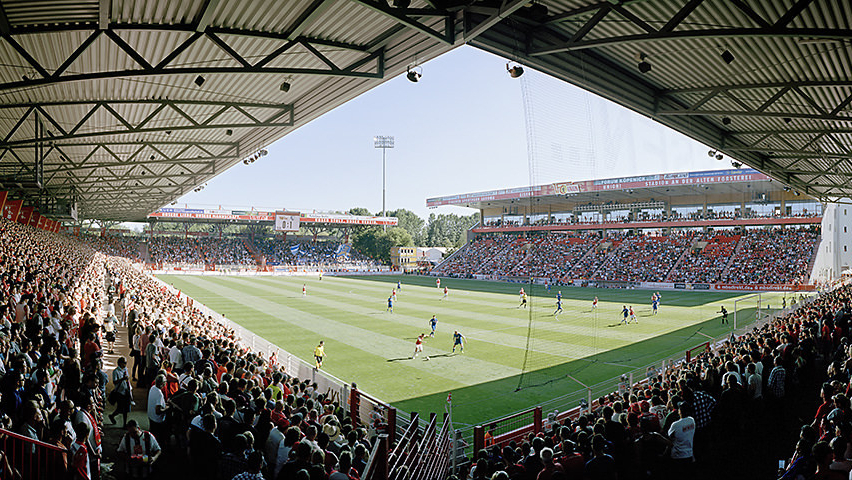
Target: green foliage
(449,230)
(359,211)
(376,243)
(410,222)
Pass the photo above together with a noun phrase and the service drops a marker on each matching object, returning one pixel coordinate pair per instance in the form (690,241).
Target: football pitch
(372,347)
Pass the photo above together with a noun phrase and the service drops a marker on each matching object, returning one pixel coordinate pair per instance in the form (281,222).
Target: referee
(319,353)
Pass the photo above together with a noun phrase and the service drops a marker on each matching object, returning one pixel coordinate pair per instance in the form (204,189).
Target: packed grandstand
(764,256)
(217,409)
(242,251)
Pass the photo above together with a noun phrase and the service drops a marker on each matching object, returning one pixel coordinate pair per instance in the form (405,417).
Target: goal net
(747,310)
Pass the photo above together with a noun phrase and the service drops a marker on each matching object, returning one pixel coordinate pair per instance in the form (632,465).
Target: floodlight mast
(384,142)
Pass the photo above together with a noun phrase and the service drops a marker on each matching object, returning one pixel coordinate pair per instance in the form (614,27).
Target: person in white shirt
(157,410)
(682,434)
(175,355)
(754,382)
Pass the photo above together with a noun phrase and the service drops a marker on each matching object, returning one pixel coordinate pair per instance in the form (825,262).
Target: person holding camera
(140,450)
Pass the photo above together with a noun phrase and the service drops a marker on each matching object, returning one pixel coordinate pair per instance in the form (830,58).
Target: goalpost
(746,303)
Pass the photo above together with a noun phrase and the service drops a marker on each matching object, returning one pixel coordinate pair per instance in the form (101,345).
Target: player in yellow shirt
(319,353)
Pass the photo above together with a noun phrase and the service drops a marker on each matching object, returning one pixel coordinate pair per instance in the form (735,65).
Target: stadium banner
(24,216)
(207,214)
(657,285)
(3,196)
(258,216)
(12,209)
(287,221)
(40,222)
(623,183)
(349,219)
(777,287)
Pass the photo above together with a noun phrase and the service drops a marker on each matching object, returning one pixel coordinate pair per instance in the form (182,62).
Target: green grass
(367,345)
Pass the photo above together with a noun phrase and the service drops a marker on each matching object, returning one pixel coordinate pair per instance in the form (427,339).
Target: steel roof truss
(215,35)
(273,120)
(669,32)
(754,16)
(205,15)
(405,17)
(506,9)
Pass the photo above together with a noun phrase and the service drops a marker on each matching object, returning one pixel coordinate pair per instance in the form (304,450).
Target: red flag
(24,215)
(12,209)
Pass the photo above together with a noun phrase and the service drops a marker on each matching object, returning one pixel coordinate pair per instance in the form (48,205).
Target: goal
(748,308)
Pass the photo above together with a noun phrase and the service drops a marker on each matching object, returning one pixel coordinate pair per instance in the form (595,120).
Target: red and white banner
(778,287)
(12,209)
(623,183)
(24,216)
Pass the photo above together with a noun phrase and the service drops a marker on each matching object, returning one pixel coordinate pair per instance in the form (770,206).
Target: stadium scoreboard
(287,221)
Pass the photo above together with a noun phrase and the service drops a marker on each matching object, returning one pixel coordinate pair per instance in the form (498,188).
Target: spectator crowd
(712,417)
(215,409)
(759,256)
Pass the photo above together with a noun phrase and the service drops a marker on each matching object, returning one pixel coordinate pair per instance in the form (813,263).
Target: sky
(466,126)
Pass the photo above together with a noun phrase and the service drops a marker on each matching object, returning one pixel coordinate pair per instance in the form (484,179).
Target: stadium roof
(126,105)
(727,184)
(779,100)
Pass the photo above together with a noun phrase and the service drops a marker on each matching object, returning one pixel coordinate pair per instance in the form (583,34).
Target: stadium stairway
(677,263)
(735,254)
(253,251)
(144,254)
(440,267)
(812,261)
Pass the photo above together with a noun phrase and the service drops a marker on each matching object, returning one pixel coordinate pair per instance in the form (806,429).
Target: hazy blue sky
(460,129)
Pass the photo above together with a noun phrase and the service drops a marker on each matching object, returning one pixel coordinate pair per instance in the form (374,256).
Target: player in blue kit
(398,285)
(433,322)
(624,313)
(558,308)
(458,340)
(390,305)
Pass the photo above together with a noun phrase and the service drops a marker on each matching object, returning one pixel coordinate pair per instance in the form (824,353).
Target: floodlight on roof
(711,153)
(285,87)
(787,120)
(413,75)
(727,57)
(229,132)
(726,120)
(736,164)
(719,156)
(515,71)
(643,64)
(401,3)
(199,80)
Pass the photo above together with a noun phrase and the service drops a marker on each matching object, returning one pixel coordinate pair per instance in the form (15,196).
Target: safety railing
(33,459)
(537,419)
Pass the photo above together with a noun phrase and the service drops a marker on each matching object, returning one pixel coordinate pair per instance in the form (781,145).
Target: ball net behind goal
(570,136)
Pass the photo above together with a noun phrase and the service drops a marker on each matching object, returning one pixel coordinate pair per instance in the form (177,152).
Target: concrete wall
(835,249)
